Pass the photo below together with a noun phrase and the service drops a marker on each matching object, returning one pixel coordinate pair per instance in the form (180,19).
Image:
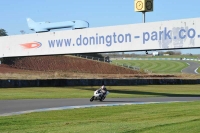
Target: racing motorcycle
(98,95)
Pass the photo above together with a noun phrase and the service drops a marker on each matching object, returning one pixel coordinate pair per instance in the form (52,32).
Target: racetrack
(193,66)
(163,66)
(13,107)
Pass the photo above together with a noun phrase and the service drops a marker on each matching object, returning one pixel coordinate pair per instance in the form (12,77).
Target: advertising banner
(175,34)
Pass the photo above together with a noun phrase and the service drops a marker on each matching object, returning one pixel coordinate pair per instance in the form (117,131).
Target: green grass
(87,91)
(165,118)
(198,70)
(156,66)
(154,118)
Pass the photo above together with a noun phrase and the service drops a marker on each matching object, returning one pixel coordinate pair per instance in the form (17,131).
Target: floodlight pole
(143,17)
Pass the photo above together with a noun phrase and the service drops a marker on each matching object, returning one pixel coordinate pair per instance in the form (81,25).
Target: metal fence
(93,58)
(161,59)
(127,66)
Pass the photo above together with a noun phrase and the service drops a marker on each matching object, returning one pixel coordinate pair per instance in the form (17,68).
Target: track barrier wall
(93,82)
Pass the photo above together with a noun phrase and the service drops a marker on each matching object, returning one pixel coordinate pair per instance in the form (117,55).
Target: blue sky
(97,13)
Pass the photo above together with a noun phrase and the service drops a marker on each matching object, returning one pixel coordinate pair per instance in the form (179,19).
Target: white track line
(196,70)
(83,106)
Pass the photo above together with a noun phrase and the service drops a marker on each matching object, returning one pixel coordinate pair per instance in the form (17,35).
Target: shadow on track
(107,101)
(146,93)
(154,93)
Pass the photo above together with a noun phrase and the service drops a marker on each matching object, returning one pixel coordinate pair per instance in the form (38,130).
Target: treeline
(170,53)
(3,32)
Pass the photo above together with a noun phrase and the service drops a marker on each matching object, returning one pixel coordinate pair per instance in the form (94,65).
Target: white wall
(145,36)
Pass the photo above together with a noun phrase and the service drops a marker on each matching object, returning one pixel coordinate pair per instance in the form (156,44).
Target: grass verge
(156,66)
(198,70)
(165,118)
(87,92)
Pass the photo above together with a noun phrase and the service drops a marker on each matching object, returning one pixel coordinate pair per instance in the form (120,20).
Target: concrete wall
(93,82)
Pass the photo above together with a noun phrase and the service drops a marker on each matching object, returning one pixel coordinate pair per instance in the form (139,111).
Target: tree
(169,52)
(3,32)
(173,52)
(177,53)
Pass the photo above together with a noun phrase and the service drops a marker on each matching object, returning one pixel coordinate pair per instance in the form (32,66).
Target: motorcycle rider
(103,90)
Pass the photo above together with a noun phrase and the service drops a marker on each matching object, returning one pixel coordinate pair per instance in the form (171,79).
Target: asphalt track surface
(192,68)
(13,107)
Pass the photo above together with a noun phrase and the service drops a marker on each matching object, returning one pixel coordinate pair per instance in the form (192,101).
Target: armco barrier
(93,82)
(184,59)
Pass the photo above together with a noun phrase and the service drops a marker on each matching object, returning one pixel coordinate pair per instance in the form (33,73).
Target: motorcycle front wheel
(91,99)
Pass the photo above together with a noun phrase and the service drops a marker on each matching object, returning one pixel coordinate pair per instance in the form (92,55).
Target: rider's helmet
(103,87)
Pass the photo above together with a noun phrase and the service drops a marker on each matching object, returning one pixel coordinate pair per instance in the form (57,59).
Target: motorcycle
(98,95)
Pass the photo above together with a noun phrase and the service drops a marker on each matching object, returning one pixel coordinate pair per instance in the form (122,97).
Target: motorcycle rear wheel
(102,98)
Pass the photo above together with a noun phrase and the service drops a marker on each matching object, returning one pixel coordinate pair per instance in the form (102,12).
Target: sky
(98,13)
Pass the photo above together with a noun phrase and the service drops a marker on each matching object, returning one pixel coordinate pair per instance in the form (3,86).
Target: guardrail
(160,59)
(127,66)
(92,58)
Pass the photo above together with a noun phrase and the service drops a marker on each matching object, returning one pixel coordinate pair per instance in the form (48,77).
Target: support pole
(143,17)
